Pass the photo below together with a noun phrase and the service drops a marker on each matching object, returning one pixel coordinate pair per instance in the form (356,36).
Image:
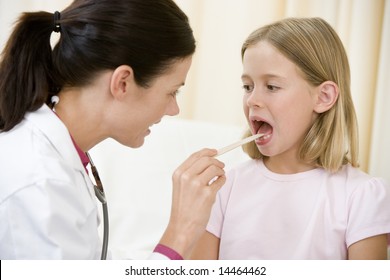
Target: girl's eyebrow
(270,75)
(244,76)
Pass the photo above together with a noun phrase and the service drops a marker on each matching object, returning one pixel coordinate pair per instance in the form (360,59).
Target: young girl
(302,196)
(114,73)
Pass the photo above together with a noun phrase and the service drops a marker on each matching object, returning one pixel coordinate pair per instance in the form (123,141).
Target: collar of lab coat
(57,133)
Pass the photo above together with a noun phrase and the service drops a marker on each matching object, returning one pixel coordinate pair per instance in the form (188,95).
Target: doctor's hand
(195,185)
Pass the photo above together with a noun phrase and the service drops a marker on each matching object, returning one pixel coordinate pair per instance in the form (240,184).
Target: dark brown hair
(96,35)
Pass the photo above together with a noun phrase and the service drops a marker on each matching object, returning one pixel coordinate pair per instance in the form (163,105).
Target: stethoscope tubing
(99,192)
(102,198)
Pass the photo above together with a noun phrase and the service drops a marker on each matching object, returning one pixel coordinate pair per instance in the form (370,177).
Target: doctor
(115,71)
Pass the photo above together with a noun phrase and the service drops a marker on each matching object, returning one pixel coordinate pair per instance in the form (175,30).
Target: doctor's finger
(195,157)
(201,172)
(210,175)
(217,183)
(200,165)
(195,182)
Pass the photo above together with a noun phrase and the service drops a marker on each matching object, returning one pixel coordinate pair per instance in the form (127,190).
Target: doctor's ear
(121,80)
(328,92)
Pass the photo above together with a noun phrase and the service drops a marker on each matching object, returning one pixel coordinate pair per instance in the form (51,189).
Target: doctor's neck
(81,116)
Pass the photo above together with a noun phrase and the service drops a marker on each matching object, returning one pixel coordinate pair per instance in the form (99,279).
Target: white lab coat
(48,208)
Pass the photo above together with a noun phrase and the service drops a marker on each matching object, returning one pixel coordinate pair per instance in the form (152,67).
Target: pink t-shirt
(259,214)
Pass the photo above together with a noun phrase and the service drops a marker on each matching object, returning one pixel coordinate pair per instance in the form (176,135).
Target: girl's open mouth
(263,127)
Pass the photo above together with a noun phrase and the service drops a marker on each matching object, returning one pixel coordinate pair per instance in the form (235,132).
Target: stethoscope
(99,192)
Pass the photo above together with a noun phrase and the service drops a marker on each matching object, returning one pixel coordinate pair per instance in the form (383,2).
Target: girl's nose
(254,99)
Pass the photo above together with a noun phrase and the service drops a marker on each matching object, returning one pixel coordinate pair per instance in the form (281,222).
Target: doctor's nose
(173,108)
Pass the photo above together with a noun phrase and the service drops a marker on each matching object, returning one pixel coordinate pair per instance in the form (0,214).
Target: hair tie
(55,99)
(56,24)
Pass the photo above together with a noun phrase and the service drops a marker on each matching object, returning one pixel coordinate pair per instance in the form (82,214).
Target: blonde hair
(316,49)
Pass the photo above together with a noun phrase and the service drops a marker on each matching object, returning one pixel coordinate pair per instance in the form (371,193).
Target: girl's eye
(272,88)
(247,88)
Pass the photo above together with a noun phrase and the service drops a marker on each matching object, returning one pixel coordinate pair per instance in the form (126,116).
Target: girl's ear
(121,81)
(328,92)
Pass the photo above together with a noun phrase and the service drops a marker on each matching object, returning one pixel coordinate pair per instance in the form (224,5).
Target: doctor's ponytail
(148,35)
(25,68)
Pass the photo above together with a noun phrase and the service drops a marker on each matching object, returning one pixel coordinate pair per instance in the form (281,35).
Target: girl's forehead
(264,59)
(264,50)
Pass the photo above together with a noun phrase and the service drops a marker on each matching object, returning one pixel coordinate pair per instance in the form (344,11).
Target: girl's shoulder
(356,178)
(358,188)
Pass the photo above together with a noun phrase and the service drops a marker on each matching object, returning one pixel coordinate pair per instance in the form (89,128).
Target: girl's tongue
(265,128)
